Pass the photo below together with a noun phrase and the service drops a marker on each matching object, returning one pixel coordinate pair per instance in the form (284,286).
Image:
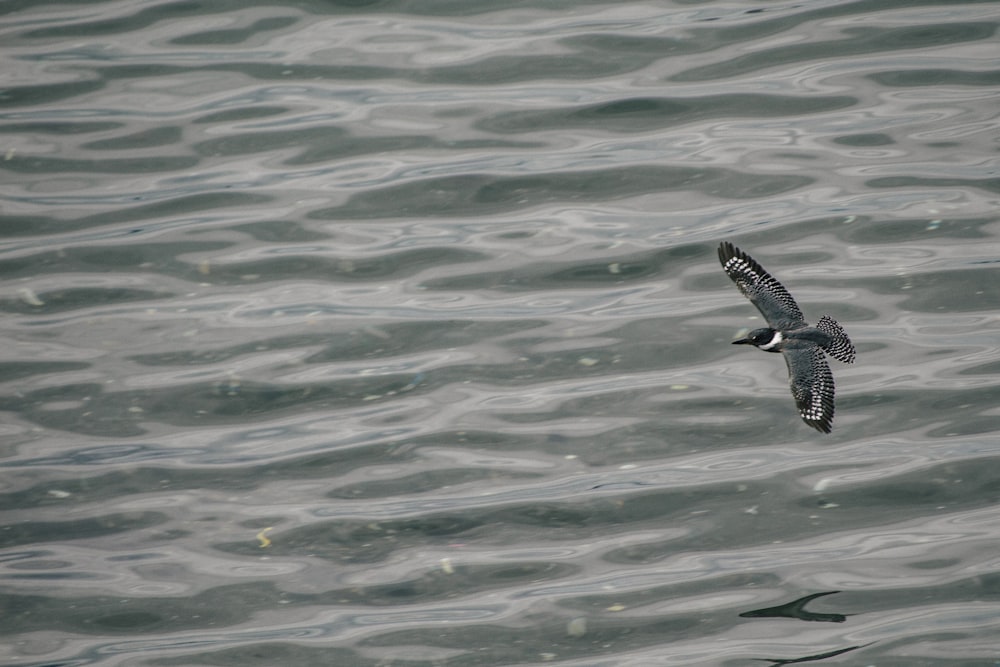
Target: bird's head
(768,339)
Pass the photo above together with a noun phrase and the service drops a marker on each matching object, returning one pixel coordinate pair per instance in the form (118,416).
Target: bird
(804,347)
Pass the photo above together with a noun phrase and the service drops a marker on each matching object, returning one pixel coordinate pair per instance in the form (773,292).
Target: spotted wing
(771,298)
(812,385)
(840,346)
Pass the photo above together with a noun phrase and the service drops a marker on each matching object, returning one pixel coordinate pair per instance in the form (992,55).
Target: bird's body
(803,346)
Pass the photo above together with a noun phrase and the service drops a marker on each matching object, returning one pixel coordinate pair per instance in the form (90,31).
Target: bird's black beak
(742,341)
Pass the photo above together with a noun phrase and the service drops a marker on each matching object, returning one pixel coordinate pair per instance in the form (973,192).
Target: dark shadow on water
(796,609)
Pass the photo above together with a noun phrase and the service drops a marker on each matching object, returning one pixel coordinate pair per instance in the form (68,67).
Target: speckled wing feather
(771,298)
(840,346)
(812,385)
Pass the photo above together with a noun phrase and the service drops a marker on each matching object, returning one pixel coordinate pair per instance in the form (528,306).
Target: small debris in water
(577,627)
(29,297)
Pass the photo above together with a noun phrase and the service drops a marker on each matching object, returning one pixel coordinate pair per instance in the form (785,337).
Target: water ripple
(370,334)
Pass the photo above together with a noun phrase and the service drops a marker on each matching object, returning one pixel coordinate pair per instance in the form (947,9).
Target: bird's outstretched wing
(771,298)
(812,385)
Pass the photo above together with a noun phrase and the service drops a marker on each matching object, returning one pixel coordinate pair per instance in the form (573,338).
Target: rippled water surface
(385,333)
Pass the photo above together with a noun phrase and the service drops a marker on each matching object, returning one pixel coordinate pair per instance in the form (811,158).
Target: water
(392,334)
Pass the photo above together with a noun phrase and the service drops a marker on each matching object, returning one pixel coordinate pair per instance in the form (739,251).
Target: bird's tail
(840,346)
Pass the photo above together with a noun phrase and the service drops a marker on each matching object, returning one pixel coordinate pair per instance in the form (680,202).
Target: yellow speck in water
(29,297)
(262,536)
(446,566)
(617,607)
(577,627)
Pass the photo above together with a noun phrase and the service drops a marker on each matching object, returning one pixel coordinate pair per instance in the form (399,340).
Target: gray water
(385,333)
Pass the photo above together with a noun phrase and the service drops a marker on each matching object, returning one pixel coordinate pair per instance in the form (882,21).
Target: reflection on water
(796,609)
(374,334)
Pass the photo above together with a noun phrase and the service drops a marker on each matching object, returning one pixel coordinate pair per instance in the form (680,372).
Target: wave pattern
(380,333)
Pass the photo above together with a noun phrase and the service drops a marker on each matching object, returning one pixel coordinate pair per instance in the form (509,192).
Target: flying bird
(804,347)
